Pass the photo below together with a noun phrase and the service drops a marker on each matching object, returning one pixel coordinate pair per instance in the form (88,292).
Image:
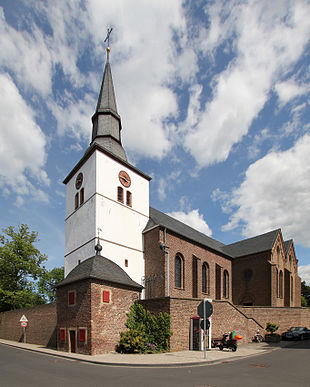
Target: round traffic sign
(208,311)
(24,324)
(202,324)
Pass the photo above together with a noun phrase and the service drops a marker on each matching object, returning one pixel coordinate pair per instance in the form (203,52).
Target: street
(282,367)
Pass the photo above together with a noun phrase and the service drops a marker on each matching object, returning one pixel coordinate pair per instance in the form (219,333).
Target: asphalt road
(283,367)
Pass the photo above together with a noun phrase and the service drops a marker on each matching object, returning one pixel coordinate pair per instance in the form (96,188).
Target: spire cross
(109,30)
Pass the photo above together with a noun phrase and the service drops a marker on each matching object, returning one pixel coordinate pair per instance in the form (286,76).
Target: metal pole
(24,334)
(204,328)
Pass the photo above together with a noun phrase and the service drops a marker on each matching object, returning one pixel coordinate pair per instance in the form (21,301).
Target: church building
(118,249)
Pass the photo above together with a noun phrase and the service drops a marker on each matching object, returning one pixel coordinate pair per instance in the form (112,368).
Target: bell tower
(104,191)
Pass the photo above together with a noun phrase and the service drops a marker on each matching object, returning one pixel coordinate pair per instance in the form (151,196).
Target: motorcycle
(230,341)
(258,338)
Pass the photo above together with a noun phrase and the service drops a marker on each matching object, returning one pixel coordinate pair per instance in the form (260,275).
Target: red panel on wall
(71,298)
(62,335)
(106,296)
(82,335)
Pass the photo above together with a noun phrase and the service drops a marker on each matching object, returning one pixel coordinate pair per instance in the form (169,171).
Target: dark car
(296,333)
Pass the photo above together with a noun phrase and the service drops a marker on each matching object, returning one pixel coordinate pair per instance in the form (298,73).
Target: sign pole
(204,329)
(24,334)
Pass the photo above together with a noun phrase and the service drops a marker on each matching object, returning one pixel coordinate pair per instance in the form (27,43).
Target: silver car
(296,333)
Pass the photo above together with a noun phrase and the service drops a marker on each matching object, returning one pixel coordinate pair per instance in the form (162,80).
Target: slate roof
(248,246)
(158,218)
(257,244)
(287,245)
(101,268)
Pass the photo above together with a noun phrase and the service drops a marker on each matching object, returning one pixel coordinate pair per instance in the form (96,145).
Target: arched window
(225,284)
(178,271)
(120,194)
(281,284)
(205,278)
(278,254)
(277,282)
(292,289)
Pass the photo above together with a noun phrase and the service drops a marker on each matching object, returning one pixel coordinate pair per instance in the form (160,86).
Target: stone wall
(41,328)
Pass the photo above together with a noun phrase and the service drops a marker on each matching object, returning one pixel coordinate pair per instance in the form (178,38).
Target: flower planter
(272,338)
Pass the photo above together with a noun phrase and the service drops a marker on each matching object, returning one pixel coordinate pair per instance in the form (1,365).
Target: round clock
(124,179)
(79,180)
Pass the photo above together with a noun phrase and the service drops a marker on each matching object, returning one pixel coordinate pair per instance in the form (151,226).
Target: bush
(147,333)
(271,328)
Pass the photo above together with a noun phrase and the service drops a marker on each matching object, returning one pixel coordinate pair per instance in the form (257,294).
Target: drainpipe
(166,251)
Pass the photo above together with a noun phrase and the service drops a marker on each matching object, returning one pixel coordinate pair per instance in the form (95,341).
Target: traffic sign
(202,324)
(23,318)
(24,324)
(208,311)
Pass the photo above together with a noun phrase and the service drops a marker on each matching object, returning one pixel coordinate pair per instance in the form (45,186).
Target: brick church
(119,249)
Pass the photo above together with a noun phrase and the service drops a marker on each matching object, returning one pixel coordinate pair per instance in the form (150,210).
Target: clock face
(79,180)
(124,179)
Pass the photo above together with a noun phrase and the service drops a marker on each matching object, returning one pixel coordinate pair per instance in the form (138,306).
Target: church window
(106,296)
(120,194)
(281,284)
(278,254)
(81,196)
(277,282)
(225,284)
(62,334)
(292,289)
(76,200)
(82,335)
(71,298)
(178,271)
(126,262)
(205,278)
(129,198)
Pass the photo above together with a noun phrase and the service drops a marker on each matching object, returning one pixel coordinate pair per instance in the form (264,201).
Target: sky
(214,102)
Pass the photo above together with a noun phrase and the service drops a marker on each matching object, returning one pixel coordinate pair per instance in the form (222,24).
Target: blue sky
(214,101)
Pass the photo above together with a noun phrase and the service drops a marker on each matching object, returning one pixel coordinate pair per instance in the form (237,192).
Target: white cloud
(289,89)
(268,40)
(304,273)
(22,146)
(275,193)
(194,219)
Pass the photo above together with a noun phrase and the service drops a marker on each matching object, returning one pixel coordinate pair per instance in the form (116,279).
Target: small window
(129,198)
(106,296)
(81,196)
(82,335)
(62,334)
(71,298)
(120,194)
(76,200)
(126,262)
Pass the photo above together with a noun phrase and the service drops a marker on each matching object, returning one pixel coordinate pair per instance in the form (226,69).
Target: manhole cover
(259,365)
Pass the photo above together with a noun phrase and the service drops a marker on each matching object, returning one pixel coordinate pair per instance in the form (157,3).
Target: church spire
(106,120)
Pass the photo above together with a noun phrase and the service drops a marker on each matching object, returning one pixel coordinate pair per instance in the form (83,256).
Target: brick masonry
(41,328)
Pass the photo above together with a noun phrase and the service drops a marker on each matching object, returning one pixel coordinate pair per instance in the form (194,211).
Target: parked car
(296,333)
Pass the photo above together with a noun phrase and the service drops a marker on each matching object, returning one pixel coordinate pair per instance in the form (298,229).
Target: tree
(305,293)
(47,283)
(20,268)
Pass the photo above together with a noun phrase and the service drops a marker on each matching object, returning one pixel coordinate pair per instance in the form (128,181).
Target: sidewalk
(170,359)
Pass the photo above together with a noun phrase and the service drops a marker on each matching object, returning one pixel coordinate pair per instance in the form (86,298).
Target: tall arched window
(281,284)
(278,254)
(225,284)
(292,289)
(205,278)
(178,271)
(277,282)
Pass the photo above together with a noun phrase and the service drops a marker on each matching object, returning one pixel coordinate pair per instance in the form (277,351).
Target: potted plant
(272,336)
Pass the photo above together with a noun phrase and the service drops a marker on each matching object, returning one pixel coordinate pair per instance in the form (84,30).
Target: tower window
(129,198)
(76,200)
(126,262)
(81,196)
(120,194)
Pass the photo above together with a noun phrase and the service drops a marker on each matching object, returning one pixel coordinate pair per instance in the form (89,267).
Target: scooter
(258,338)
(229,342)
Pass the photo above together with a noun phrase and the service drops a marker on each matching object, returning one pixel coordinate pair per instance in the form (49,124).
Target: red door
(72,341)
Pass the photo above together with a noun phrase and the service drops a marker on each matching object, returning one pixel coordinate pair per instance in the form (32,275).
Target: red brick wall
(155,265)
(108,319)
(284,317)
(75,316)
(41,327)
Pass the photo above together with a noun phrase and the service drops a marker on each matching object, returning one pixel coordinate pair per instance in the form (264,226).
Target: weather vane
(107,39)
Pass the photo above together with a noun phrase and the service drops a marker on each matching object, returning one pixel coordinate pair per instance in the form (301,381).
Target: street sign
(209,309)
(24,324)
(202,324)
(23,318)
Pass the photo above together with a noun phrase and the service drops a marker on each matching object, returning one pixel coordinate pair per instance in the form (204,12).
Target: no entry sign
(24,324)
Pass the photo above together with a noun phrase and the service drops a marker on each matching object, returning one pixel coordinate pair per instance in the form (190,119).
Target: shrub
(271,328)
(147,333)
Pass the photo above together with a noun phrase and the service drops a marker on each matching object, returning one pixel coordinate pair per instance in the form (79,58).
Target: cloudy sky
(214,101)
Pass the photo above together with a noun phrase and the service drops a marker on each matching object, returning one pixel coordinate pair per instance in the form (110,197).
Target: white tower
(106,194)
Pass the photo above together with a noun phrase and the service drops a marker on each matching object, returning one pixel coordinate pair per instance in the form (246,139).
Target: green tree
(305,293)
(47,283)
(20,268)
